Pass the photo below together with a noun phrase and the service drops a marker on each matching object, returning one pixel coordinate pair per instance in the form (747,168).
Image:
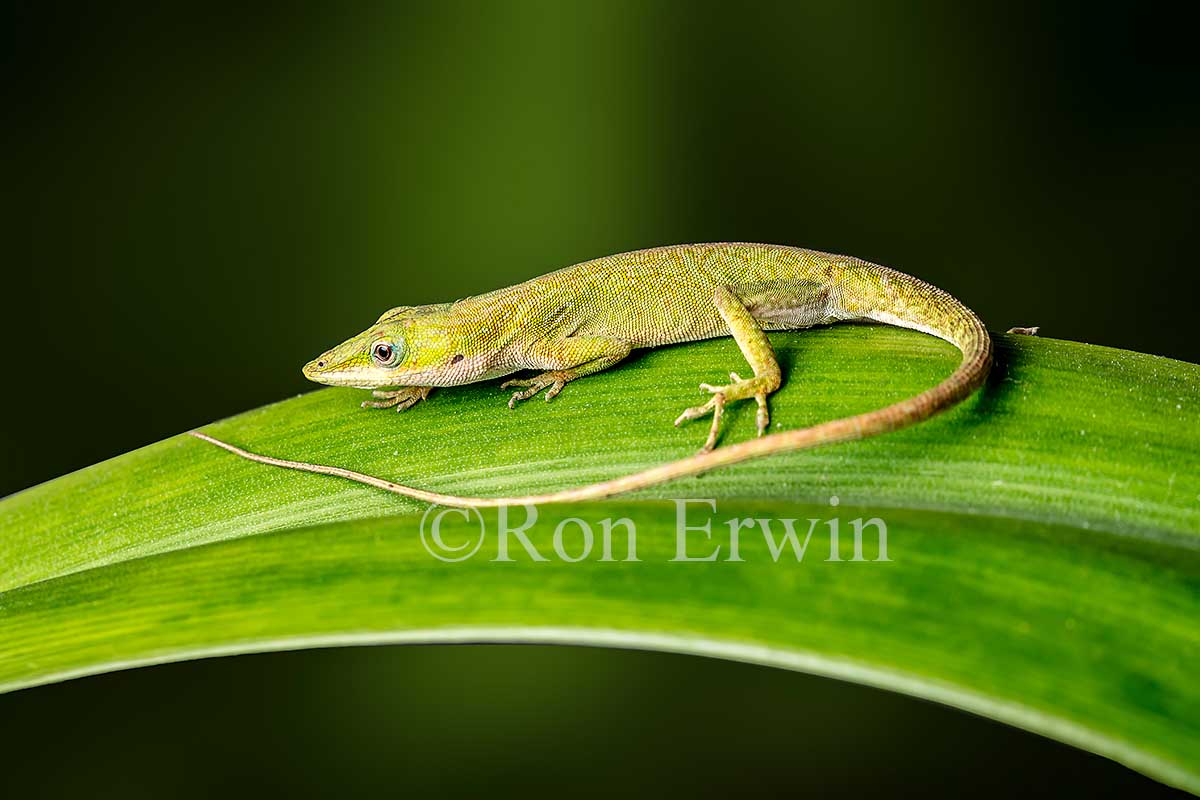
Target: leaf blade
(1068,490)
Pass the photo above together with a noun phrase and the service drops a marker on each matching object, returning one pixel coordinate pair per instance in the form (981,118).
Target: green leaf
(1044,537)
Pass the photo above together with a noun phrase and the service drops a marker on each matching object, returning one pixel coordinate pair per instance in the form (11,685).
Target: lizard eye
(383,353)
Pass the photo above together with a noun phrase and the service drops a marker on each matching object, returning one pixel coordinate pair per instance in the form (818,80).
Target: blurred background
(197,200)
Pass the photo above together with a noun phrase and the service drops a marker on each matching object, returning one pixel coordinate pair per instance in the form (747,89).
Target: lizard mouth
(326,371)
(322,370)
(315,370)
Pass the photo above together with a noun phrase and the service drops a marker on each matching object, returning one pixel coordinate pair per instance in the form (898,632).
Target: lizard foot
(552,381)
(402,399)
(738,390)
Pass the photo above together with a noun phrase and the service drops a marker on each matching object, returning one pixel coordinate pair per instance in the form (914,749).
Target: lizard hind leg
(757,349)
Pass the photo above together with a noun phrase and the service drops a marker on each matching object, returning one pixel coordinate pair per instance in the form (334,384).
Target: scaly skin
(586,318)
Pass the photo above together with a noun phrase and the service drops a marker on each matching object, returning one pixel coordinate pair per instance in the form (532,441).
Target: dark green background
(197,201)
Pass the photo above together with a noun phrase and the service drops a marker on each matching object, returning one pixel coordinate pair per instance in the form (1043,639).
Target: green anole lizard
(588,317)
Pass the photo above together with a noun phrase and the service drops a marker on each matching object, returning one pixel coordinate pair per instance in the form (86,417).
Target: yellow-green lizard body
(588,317)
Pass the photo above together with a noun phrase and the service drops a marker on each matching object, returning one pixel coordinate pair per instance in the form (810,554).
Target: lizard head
(400,349)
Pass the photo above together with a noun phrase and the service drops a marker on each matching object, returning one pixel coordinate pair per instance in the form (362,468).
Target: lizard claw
(550,381)
(715,406)
(401,399)
(740,389)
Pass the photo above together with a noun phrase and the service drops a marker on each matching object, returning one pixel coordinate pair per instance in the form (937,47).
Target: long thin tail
(937,313)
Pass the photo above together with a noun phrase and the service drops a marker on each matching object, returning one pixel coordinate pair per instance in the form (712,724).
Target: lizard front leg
(565,360)
(757,349)
(402,399)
